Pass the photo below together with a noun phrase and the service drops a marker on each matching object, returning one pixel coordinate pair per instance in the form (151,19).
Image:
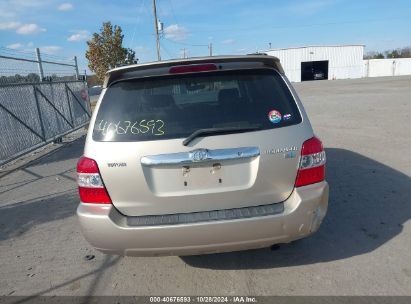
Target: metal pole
(156,30)
(76,67)
(210,48)
(43,132)
(368,68)
(393,68)
(39,64)
(69,104)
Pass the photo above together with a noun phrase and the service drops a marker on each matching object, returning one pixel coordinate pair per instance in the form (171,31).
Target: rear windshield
(175,106)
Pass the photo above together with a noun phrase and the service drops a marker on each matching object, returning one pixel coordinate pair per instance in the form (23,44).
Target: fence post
(76,67)
(39,64)
(368,68)
(68,102)
(43,133)
(393,67)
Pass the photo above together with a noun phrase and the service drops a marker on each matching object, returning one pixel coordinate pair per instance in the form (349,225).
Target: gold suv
(197,156)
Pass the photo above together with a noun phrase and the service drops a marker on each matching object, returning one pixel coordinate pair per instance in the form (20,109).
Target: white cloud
(65,7)
(24,4)
(28,29)
(50,49)
(228,41)
(9,25)
(176,32)
(23,47)
(14,46)
(81,35)
(10,9)
(22,29)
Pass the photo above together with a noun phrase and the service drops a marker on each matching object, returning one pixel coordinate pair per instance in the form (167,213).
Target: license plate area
(205,174)
(201,178)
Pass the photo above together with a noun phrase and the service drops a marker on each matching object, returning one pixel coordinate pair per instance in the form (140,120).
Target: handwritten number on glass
(153,127)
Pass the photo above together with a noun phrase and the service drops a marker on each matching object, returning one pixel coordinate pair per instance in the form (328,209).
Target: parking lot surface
(362,248)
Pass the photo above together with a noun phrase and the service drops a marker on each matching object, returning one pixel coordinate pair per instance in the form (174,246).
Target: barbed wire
(20,66)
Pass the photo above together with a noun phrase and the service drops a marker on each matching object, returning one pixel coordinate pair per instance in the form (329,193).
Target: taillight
(90,185)
(312,163)
(192,68)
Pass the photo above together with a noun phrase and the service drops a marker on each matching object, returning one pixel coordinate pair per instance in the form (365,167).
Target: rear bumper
(107,230)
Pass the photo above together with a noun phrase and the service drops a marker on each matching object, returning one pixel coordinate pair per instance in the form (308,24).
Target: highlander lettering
(281,150)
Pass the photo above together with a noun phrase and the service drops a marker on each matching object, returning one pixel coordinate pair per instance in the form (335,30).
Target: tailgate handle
(199,156)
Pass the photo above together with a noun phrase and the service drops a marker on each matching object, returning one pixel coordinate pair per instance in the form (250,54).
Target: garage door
(314,70)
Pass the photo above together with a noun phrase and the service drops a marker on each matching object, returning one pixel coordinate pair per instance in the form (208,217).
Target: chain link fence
(40,101)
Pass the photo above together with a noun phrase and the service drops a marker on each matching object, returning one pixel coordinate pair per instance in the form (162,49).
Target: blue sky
(61,28)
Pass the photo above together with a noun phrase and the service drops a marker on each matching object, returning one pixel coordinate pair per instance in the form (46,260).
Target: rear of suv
(200,156)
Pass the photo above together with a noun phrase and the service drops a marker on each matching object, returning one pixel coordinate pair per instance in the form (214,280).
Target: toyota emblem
(199,155)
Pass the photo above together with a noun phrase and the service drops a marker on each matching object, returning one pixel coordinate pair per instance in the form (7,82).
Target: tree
(374,55)
(404,52)
(105,50)
(393,54)
(33,77)
(399,53)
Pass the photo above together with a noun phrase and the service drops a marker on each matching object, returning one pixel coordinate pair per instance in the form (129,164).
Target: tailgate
(263,173)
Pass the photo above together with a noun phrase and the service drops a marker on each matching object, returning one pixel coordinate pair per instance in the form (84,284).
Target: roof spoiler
(118,73)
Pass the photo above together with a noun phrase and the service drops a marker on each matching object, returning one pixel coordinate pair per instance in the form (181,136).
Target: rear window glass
(175,106)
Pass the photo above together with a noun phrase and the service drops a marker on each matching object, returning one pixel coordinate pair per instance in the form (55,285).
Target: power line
(137,22)
(266,26)
(185,43)
(167,51)
(173,12)
(15,51)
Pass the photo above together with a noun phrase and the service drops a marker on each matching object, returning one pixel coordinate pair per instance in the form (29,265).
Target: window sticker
(287,116)
(274,116)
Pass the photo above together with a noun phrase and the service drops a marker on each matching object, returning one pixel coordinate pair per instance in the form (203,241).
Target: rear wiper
(214,131)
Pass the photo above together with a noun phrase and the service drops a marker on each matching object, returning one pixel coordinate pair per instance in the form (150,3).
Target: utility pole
(184,53)
(156,30)
(210,48)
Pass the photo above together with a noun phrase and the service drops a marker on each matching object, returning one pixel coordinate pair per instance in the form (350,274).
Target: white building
(321,62)
(387,67)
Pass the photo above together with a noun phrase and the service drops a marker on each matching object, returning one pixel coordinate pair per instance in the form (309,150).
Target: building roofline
(310,46)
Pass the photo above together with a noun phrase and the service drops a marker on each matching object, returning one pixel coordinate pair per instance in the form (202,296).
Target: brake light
(178,69)
(90,185)
(312,163)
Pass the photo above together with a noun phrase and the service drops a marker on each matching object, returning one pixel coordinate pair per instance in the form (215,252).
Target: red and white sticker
(274,116)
